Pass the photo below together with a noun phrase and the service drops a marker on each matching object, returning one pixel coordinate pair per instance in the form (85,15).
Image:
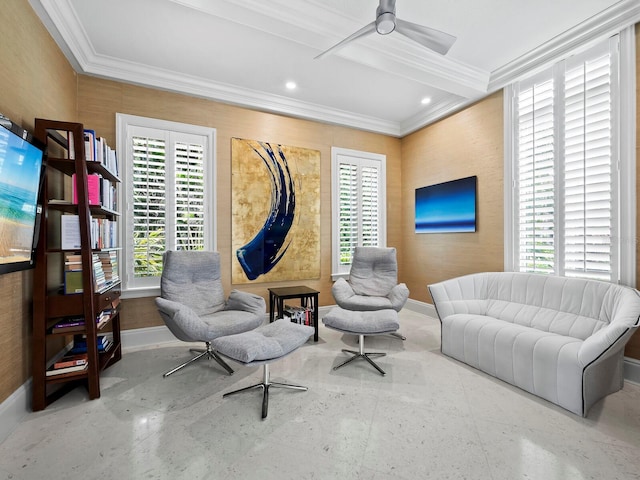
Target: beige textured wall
(465,144)
(99,101)
(36,81)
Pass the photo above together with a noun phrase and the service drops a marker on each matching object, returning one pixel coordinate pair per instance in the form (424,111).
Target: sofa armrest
(604,343)
(624,308)
(247,302)
(467,294)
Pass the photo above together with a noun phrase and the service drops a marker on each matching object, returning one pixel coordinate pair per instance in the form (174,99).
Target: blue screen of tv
(447,207)
(20,173)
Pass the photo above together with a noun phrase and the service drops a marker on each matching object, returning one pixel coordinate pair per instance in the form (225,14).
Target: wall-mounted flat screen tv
(447,207)
(20,178)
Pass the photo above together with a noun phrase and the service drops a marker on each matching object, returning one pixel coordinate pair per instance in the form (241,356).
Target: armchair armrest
(398,296)
(342,291)
(247,302)
(183,322)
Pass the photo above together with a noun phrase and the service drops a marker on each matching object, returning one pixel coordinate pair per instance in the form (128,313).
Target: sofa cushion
(566,306)
(362,323)
(268,342)
(539,362)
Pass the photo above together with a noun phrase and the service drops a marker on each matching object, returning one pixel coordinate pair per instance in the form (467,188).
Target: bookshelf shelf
(65,153)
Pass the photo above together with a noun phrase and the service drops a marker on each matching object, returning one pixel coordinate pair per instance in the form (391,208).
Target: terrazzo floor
(430,417)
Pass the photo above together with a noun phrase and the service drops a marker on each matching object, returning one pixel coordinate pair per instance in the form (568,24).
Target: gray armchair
(193,305)
(373,282)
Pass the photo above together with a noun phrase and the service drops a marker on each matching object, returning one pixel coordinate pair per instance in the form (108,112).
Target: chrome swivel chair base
(362,354)
(209,353)
(265,384)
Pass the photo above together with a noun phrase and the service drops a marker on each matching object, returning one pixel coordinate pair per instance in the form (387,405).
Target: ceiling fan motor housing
(386,17)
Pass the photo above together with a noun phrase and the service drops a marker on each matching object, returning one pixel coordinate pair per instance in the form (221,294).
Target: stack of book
(100,191)
(109,261)
(76,324)
(97,150)
(80,344)
(301,315)
(103,271)
(99,279)
(70,363)
(103,232)
(69,325)
(72,273)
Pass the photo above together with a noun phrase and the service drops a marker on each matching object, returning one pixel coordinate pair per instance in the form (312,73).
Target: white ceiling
(244,51)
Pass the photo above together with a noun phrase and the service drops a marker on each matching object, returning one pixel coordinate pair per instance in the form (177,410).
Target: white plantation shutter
(168,174)
(190,199)
(358,204)
(588,178)
(348,211)
(148,201)
(566,142)
(536,177)
(370,207)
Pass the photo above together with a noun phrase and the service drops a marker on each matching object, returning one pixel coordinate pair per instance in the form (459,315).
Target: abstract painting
(447,207)
(275,212)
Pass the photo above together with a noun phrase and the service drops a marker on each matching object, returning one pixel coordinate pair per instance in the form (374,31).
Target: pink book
(93,188)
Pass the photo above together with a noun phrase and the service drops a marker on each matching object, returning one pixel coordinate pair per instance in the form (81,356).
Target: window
(168,195)
(358,204)
(572,174)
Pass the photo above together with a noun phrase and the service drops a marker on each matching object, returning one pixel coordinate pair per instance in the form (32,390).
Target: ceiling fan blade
(366,30)
(431,38)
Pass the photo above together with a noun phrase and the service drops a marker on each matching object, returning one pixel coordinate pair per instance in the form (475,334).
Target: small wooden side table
(308,299)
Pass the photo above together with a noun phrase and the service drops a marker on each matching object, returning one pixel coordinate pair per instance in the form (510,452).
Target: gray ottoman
(361,323)
(262,346)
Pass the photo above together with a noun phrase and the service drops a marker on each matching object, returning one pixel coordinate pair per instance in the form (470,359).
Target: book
(61,371)
(89,145)
(83,348)
(80,344)
(69,326)
(93,188)
(73,282)
(71,361)
(70,232)
(71,146)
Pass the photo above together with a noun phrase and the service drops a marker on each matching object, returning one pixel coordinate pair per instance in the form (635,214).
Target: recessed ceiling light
(291,85)
(425,101)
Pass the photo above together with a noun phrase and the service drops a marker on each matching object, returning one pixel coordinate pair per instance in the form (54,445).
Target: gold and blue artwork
(275,212)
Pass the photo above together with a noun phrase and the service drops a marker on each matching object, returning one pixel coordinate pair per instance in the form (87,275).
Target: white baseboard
(18,404)
(14,408)
(632,370)
(421,307)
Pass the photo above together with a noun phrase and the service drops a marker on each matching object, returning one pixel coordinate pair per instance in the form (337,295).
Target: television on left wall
(21,174)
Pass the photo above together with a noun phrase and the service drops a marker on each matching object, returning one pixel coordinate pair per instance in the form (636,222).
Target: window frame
(622,47)
(358,158)
(151,286)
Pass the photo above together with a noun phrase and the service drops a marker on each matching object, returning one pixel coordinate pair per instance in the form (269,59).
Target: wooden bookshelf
(64,158)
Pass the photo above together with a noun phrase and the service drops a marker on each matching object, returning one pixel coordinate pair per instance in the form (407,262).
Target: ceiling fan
(387,22)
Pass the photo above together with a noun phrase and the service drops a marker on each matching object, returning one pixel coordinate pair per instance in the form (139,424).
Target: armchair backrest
(374,271)
(192,278)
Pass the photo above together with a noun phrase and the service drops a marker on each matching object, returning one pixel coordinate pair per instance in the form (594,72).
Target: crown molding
(138,74)
(435,113)
(60,19)
(317,27)
(600,26)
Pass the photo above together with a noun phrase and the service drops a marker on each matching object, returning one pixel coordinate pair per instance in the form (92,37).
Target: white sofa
(559,338)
